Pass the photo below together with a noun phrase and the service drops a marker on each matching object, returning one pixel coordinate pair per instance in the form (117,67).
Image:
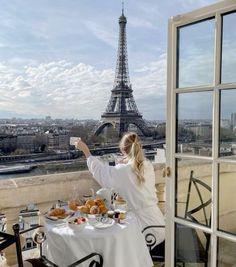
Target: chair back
(96,260)
(203,205)
(9,239)
(190,214)
(189,246)
(157,251)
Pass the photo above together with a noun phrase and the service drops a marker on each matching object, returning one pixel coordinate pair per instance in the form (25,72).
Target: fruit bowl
(77,223)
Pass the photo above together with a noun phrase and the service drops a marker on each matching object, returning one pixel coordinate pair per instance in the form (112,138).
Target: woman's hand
(83,147)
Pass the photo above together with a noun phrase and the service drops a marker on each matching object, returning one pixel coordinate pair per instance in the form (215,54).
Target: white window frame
(214,10)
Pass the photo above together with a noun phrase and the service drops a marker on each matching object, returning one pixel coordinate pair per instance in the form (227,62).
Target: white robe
(141,199)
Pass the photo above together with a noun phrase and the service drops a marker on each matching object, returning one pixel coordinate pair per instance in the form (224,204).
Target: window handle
(166,172)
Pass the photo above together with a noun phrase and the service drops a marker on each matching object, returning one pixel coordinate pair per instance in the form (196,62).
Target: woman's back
(141,198)
(137,195)
(134,180)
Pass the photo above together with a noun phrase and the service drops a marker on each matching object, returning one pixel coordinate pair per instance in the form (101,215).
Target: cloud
(64,89)
(84,31)
(102,33)
(195,105)
(2,45)
(149,88)
(137,22)
(59,88)
(152,108)
(152,10)
(228,60)
(151,78)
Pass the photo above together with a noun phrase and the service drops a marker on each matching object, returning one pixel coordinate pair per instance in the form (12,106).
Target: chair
(42,261)
(189,247)
(157,252)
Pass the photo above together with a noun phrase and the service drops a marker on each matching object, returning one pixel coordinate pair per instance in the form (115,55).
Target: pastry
(84,209)
(99,202)
(73,204)
(57,212)
(94,210)
(103,209)
(90,203)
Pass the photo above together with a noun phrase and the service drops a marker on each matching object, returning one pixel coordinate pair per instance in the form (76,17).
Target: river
(49,167)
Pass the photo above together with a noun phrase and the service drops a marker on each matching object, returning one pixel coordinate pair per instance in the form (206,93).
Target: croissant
(99,202)
(94,210)
(90,203)
(103,209)
(73,204)
(83,209)
(57,212)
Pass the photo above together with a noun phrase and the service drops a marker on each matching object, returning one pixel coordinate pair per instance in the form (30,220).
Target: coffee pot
(106,195)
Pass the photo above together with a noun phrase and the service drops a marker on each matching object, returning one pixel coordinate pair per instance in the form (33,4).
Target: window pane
(227,201)
(194,123)
(226,253)
(191,247)
(193,185)
(196,54)
(228,49)
(228,124)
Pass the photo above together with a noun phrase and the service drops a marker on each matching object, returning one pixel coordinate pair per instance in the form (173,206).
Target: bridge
(42,157)
(115,149)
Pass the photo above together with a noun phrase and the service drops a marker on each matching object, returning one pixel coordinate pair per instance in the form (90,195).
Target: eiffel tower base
(122,126)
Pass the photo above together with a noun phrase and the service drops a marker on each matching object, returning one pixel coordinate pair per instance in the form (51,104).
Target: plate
(54,218)
(93,216)
(102,223)
(63,218)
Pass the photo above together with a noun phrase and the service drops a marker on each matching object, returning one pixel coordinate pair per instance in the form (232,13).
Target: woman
(133,179)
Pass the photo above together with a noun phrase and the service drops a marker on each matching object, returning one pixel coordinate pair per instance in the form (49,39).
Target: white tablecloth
(121,245)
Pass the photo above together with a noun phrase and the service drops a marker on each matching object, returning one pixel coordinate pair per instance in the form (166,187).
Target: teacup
(121,214)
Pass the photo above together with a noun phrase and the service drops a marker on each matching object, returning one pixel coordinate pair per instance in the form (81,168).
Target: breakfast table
(120,244)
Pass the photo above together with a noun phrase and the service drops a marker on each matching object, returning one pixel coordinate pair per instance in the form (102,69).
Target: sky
(58,57)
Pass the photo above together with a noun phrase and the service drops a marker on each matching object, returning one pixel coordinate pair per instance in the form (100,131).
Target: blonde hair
(131,146)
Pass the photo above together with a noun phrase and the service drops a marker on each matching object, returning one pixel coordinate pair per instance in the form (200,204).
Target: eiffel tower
(121,110)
